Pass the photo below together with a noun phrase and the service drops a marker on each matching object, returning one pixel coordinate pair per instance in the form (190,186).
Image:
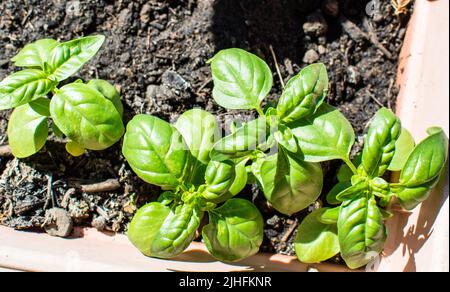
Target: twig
(5,151)
(289,231)
(389,92)
(101,187)
(374,98)
(374,39)
(203,86)
(276,65)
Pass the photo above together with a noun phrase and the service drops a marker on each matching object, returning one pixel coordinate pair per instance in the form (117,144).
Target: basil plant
(177,158)
(88,114)
(290,178)
(355,228)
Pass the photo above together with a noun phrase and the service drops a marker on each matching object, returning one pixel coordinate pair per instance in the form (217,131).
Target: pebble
(315,25)
(321,49)
(144,15)
(331,7)
(58,222)
(99,223)
(174,80)
(354,76)
(151,91)
(311,56)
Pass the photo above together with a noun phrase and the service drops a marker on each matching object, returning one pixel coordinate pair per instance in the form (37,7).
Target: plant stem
(351,165)
(260,111)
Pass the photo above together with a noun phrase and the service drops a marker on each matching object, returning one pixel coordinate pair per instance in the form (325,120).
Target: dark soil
(156,53)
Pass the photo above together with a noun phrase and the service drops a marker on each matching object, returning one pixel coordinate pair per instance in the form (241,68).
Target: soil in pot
(156,54)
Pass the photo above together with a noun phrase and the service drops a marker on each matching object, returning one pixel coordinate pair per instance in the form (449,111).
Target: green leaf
(67,58)
(161,232)
(380,141)
(224,180)
(286,139)
(336,190)
(35,54)
(403,147)
(24,86)
(108,91)
(427,160)
(28,128)
(235,230)
(361,231)
(330,215)
(156,151)
(303,94)
(241,79)
(410,197)
(290,185)
(200,131)
(86,117)
(316,242)
(243,142)
(324,136)
(356,190)
(75,149)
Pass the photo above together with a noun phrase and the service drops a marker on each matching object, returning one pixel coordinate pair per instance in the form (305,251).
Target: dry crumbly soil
(156,53)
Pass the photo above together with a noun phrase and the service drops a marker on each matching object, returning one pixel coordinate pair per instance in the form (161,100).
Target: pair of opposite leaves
(90,115)
(177,158)
(356,228)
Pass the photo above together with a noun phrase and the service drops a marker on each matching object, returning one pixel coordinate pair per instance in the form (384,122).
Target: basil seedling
(177,158)
(356,227)
(242,81)
(89,115)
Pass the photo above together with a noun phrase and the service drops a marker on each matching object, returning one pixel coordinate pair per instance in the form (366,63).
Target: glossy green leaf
(35,54)
(67,58)
(427,160)
(156,151)
(241,79)
(28,128)
(380,141)
(234,231)
(86,117)
(24,86)
(159,231)
(303,94)
(243,142)
(336,190)
(410,197)
(75,149)
(290,185)
(315,241)
(403,147)
(108,91)
(356,190)
(361,231)
(324,136)
(330,215)
(286,139)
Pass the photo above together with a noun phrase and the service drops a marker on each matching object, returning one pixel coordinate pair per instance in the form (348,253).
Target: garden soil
(156,54)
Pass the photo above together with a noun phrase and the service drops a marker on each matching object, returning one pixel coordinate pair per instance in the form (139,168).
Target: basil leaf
(86,117)
(241,79)
(28,128)
(290,185)
(330,215)
(354,191)
(224,180)
(234,231)
(427,160)
(324,136)
(315,241)
(361,231)
(403,147)
(336,190)
(379,145)
(410,197)
(108,91)
(75,149)
(199,130)
(67,58)
(303,94)
(243,142)
(159,231)
(35,54)
(155,151)
(24,86)
(285,138)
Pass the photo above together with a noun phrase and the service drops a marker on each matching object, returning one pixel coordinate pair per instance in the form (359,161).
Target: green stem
(351,166)
(260,111)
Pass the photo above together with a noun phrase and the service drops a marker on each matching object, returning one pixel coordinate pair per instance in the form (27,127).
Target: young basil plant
(241,81)
(89,115)
(177,158)
(362,193)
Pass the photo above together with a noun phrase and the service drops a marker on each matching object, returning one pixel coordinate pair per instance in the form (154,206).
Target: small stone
(174,80)
(152,91)
(58,222)
(321,49)
(378,18)
(312,270)
(99,223)
(125,57)
(310,57)
(144,15)
(354,76)
(331,7)
(315,25)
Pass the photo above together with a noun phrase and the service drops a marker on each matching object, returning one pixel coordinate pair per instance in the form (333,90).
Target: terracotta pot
(418,241)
